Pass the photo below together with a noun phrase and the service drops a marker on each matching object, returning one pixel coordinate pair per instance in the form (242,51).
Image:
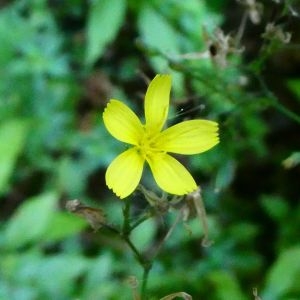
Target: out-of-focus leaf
(12,137)
(71,176)
(9,39)
(50,277)
(98,276)
(283,278)
(225,175)
(64,225)
(104,21)
(244,231)
(294,86)
(17,293)
(30,221)
(158,34)
(143,234)
(57,274)
(18,269)
(275,206)
(292,161)
(226,286)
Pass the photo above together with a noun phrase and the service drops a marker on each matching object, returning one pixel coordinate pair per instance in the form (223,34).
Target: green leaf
(12,137)
(143,235)
(283,277)
(157,33)
(294,86)
(104,21)
(225,175)
(100,271)
(64,225)
(31,220)
(276,207)
(226,286)
(58,274)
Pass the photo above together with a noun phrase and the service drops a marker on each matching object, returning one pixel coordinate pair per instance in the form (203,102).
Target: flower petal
(189,137)
(157,102)
(171,175)
(125,172)
(122,123)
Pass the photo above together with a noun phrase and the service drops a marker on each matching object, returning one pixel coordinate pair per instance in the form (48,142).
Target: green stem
(142,219)
(286,111)
(126,222)
(144,263)
(141,259)
(275,103)
(147,267)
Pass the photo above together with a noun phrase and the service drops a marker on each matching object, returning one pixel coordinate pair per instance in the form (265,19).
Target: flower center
(147,146)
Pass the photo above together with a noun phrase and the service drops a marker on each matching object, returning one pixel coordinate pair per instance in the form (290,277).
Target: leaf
(100,271)
(294,86)
(104,21)
(283,278)
(226,286)
(12,137)
(157,33)
(64,225)
(225,175)
(276,207)
(143,235)
(31,220)
(58,274)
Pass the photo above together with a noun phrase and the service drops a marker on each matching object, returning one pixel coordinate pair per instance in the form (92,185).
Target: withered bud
(292,161)
(195,200)
(255,294)
(94,216)
(160,204)
(220,46)
(182,295)
(275,32)
(134,284)
(254,9)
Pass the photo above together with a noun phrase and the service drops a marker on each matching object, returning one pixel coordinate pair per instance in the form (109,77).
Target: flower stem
(126,222)
(275,102)
(147,267)
(141,219)
(140,258)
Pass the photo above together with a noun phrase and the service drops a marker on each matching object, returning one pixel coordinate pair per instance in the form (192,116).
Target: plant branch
(275,103)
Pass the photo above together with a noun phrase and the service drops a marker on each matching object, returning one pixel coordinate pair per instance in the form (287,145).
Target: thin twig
(241,29)
(275,103)
(168,234)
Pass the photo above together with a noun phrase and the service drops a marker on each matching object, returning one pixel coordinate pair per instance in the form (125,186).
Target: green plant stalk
(275,103)
(147,267)
(141,219)
(142,260)
(126,222)
(124,234)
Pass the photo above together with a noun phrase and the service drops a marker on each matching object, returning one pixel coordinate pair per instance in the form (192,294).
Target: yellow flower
(151,143)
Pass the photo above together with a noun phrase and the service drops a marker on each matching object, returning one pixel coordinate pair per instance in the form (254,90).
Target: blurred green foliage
(60,62)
